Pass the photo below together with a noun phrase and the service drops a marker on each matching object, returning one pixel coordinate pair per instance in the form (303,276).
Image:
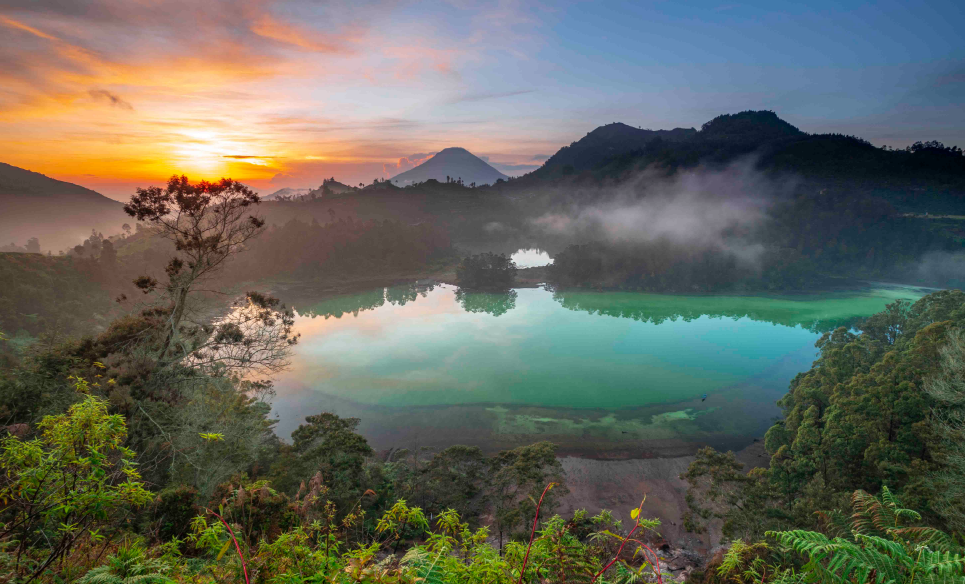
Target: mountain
(285,194)
(456,163)
(605,143)
(60,214)
(750,126)
(331,187)
(924,177)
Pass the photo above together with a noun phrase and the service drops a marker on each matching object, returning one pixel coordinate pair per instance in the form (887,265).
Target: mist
(943,269)
(701,208)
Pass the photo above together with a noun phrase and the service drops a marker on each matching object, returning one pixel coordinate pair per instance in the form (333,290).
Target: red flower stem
(244,566)
(656,561)
(532,534)
(624,543)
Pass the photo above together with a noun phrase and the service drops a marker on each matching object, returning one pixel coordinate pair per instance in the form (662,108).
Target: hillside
(605,143)
(927,176)
(63,295)
(451,164)
(60,214)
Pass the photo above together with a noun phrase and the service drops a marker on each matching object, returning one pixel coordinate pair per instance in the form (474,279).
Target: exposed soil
(619,485)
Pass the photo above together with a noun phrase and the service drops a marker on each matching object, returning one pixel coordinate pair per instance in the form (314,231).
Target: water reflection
(494,303)
(339,306)
(531,258)
(428,365)
(817,313)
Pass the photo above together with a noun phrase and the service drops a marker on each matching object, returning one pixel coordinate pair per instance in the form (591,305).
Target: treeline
(343,247)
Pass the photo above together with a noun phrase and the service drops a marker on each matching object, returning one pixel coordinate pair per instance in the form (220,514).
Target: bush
(69,488)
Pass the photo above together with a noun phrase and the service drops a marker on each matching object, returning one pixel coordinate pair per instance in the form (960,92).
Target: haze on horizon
(282,93)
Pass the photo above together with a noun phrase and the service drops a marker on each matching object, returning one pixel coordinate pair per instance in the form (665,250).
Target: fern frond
(942,563)
(929,536)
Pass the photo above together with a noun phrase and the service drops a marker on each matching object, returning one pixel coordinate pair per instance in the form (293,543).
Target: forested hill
(606,143)
(14,180)
(926,176)
(60,214)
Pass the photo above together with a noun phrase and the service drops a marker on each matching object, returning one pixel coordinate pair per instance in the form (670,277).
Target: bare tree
(208,224)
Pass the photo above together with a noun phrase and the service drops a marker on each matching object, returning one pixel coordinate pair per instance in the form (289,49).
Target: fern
(128,566)
(871,559)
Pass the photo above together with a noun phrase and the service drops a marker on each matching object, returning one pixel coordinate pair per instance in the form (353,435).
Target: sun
(209,152)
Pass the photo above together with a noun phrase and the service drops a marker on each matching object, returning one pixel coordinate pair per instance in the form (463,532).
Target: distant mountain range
(455,164)
(330,188)
(925,177)
(60,214)
(286,194)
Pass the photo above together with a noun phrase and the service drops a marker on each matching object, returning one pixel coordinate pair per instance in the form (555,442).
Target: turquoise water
(600,373)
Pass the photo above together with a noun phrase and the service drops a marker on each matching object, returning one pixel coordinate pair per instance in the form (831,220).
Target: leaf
(224,549)
(635,513)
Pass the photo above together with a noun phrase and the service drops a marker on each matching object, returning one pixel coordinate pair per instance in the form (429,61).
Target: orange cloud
(21,26)
(405,163)
(271,28)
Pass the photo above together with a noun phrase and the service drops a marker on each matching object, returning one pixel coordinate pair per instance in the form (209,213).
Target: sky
(116,94)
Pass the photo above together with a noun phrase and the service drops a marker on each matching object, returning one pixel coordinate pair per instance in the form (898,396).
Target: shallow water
(600,373)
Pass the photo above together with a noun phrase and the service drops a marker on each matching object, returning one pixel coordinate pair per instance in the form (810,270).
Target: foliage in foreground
(71,494)
(879,543)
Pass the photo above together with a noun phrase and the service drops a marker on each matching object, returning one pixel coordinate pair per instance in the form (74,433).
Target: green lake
(599,373)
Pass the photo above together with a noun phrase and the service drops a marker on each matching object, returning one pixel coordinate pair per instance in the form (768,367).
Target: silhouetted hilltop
(606,143)
(60,214)
(748,126)
(19,181)
(451,164)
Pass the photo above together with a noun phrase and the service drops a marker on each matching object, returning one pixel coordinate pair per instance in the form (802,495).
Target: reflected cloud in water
(531,258)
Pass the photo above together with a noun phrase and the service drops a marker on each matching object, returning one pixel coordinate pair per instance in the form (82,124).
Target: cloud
(540,157)
(112,98)
(281,177)
(271,28)
(290,78)
(413,61)
(406,163)
(470,97)
(9,22)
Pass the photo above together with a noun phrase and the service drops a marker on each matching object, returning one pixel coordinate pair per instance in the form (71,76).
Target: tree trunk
(176,315)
